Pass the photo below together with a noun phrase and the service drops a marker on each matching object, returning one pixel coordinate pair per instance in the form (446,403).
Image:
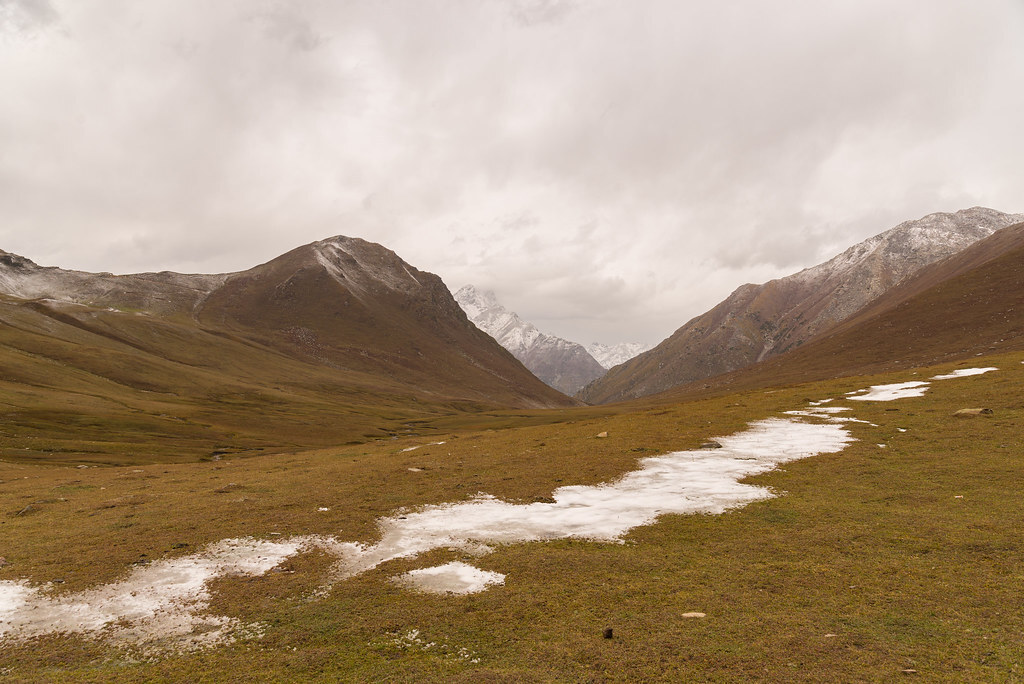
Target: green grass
(909,556)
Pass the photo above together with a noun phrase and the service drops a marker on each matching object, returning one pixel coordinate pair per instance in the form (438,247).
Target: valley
(319,468)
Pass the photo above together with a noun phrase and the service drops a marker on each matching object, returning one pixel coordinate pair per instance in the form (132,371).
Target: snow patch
(452,578)
(899,390)
(964,373)
(698,481)
(160,601)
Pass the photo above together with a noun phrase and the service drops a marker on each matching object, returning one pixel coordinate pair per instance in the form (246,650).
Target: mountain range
(759,322)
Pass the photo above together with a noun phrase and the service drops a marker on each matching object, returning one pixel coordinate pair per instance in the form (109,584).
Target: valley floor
(892,551)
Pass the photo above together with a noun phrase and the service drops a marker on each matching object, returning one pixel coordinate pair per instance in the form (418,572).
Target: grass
(874,562)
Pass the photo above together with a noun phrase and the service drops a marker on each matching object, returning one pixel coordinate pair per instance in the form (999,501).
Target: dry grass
(871,545)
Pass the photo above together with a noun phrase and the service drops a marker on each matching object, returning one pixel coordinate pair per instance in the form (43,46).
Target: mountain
(564,365)
(611,355)
(758,322)
(336,341)
(967,305)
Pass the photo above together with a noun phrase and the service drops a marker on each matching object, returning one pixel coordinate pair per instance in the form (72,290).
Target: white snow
(169,599)
(699,481)
(154,602)
(454,578)
(963,373)
(899,390)
(611,355)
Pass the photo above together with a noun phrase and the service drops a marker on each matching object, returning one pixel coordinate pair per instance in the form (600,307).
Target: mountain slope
(333,342)
(564,365)
(757,322)
(967,305)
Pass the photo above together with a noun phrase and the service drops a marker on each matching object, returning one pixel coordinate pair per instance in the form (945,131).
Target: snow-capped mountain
(761,321)
(564,365)
(611,355)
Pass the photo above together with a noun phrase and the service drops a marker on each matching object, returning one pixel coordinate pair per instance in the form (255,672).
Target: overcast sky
(611,168)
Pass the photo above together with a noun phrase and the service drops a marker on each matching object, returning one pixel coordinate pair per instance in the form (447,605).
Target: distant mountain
(339,340)
(564,365)
(611,355)
(758,322)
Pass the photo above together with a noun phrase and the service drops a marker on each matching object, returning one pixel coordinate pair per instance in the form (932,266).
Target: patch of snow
(452,578)
(899,390)
(157,601)
(963,373)
(698,481)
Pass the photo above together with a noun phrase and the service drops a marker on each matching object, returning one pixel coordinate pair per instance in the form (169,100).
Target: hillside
(758,322)
(967,305)
(566,366)
(337,341)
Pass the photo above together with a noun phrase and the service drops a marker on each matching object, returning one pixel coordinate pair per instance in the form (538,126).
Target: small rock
(3,562)
(909,671)
(415,470)
(602,435)
(831,636)
(694,615)
(27,510)
(711,444)
(967,412)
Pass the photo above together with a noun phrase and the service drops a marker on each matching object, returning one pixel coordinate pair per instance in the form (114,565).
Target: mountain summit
(757,322)
(564,365)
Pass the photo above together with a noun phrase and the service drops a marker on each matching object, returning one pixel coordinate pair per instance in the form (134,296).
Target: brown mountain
(758,322)
(967,305)
(335,341)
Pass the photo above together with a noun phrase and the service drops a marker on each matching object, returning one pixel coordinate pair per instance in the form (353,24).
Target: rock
(969,412)
(711,444)
(602,434)
(27,510)
(608,633)
(694,615)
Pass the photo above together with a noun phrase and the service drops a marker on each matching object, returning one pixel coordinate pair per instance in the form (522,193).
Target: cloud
(611,169)
(26,16)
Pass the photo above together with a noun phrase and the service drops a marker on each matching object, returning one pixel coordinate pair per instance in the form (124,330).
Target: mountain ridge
(757,322)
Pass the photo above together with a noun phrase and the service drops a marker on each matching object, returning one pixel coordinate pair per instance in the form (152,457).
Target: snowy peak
(913,244)
(511,332)
(611,355)
(360,265)
(564,365)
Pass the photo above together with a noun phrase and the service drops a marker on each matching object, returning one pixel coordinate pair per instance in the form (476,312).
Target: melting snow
(699,481)
(157,601)
(899,390)
(168,599)
(454,578)
(963,373)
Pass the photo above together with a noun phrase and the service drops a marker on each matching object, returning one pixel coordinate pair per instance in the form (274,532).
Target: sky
(610,168)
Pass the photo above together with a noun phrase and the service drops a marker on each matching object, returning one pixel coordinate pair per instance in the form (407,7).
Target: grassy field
(875,564)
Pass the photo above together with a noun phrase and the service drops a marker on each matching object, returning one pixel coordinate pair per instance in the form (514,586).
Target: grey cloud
(26,15)
(602,165)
